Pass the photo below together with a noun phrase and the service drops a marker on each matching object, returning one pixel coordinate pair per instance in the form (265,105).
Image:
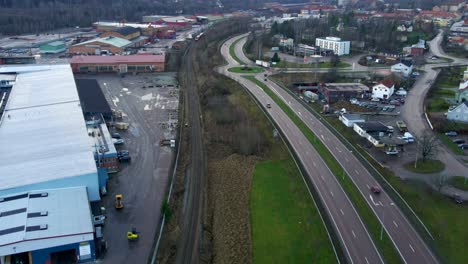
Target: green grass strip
(459,182)
(449,143)
(286,226)
(247,70)
(232,51)
(373,225)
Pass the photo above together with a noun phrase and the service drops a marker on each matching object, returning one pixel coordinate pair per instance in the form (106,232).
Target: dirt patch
(229,186)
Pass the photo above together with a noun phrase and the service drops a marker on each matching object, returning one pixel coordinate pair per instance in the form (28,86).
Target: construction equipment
(118,201)
(132,235)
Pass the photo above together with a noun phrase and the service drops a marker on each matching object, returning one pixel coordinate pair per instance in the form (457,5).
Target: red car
(375,189)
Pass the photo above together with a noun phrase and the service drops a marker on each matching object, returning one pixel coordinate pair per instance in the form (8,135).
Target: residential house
(452,5)
(459,113)
(462,93)
(404,67)
(334,92)
(383,90)
(460,28)
(465,74)
(350,119)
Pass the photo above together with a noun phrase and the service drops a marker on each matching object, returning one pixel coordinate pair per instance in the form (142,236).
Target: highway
(407,241)
(188,248)
(355,240)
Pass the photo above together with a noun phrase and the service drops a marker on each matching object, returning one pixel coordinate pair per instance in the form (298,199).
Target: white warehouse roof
(43,135)
(45,218)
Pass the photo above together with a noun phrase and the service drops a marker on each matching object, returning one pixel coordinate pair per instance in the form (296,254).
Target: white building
(350,119)
(404,68)
(44,226)
(43,137)
(335,44)
(459,113)
(383,90)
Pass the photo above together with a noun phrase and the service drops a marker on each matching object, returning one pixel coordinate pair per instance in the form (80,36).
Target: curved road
(356,241)
(407,241)
(413,109)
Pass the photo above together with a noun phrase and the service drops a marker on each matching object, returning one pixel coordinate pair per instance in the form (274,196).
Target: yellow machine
(118,201)
(132,235)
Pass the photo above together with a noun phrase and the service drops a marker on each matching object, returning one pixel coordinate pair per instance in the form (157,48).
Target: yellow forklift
(118,201)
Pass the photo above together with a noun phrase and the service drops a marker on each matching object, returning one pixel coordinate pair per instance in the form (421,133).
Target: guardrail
(417,223)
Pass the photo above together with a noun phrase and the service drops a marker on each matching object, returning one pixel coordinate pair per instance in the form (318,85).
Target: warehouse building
(43,134)
(98,46)
(46,226)
(118,64)
(53,47)
(146,29)
(129,33)
(334,92)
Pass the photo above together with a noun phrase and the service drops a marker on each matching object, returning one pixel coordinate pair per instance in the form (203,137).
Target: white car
(118,141)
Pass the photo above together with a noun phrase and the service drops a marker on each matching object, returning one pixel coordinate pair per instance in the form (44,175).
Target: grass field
(385,245)
(459,182)
(428,166)
(232,51)
(286,226)
(437,104)
(245,70)
(448,142)
(285,64)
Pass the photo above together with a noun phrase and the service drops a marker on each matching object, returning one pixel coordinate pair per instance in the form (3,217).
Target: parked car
(457,198)
(451,134)
(463,146)
(354,101)
(375,99)
(458,141)
(375,189)
(116,135)
(123,153)
(118,141)
(268,105)
(395,102)
(125,158)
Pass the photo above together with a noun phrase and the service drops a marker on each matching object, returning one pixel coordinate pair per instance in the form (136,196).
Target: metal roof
(113,41)
(119,59)
(119,24)
(44,218)
(124,31)
(55,43)
(91,97)
(43,135)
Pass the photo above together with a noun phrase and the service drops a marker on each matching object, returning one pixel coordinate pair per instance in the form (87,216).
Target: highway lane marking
(367,185)
(299,113)
(321,176)
(357,172)
(322,136)
(366,260)
(411,247)
(346,159)
(341,210)
(354,235)
(331,193)
(315,165)
(395,223)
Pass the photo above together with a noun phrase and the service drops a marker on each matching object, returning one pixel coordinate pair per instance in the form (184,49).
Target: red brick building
(118,64)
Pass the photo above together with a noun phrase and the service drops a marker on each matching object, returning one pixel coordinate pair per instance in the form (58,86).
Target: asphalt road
(356,241)
(408,243)
(143,181)
(189,246)
(413,110)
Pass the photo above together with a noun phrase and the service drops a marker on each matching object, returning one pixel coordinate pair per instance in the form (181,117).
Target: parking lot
(152,115)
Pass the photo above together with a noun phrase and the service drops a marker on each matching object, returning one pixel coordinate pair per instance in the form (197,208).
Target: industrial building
(53,47)
(44,139)
(129,33)
(17,60)
(98,46)
(118,64)
(46,226)
(338,46)
(334,92)
(148,30)
(96,109)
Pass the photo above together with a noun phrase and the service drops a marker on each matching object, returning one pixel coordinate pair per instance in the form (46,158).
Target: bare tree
(428,144)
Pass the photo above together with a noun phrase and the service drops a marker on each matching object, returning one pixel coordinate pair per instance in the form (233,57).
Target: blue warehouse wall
(42,256)
(88,180)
